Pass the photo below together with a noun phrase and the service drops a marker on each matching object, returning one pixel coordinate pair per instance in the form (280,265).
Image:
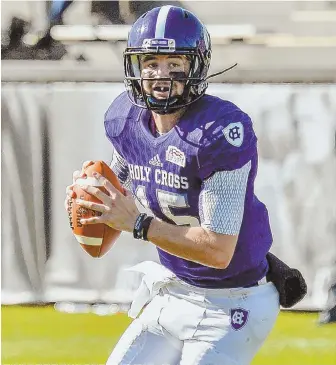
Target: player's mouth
(161,91)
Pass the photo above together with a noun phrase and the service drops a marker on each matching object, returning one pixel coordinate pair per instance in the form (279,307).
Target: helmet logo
(166,44)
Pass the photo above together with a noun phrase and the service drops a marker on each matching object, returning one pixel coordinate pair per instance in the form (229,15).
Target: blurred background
(62,66)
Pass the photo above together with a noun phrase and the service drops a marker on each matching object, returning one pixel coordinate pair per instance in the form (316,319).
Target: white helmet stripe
(161,21)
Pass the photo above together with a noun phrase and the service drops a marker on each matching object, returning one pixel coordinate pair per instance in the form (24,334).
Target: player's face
(158,66)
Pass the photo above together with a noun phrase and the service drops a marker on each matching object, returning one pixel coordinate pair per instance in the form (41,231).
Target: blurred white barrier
(81,33)
(220,34)
(50,129)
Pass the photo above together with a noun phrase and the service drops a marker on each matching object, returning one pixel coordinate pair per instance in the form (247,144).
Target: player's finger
(108,186)
(93,206)
(86,164)
(69,191)
(76,175)
(93,220)
(80,173)
(105,199)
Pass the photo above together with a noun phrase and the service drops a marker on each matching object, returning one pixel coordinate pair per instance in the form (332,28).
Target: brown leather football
(95,239)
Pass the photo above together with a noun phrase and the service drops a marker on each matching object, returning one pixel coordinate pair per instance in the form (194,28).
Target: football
(95,239)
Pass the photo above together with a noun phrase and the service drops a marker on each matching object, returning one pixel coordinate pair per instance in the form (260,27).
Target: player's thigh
(140,346)
(233,336)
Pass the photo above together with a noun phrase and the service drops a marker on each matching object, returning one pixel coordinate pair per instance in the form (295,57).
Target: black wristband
(145,227)
(138,228)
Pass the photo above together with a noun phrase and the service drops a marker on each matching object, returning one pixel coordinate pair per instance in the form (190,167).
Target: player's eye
(174,65)
(151,65)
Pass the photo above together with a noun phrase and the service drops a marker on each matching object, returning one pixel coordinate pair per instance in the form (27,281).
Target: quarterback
(191,160)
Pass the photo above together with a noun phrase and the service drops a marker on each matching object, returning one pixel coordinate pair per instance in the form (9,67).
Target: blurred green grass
(41,335)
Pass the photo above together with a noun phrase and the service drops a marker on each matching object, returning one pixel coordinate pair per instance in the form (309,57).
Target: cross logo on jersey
(239,318)
(234,134)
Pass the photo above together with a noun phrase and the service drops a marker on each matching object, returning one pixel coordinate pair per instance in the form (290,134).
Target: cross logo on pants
(239,318)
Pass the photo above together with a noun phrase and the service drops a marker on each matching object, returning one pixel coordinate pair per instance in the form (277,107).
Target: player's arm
(194,244)
(221,207)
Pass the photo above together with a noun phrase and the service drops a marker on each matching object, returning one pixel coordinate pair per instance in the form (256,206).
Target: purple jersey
(173,174)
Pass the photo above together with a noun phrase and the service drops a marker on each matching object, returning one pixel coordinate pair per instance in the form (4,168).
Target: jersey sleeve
(228,145)
(224,166)
(222,200)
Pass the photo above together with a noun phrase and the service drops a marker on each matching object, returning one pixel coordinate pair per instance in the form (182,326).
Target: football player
(191,159)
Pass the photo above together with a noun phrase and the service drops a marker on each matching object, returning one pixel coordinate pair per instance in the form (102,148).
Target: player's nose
(163,71)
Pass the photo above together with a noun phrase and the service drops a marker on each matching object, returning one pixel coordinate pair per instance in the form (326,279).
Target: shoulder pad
(117,114)
(227,143)
(213,107)
(229,124)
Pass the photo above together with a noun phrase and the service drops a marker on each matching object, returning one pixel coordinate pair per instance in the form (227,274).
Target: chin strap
(162,103)
(221,72)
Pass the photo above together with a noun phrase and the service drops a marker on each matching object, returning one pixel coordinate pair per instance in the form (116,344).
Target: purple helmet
(168,30)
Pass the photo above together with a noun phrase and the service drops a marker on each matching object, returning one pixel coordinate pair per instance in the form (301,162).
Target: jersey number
(166,201)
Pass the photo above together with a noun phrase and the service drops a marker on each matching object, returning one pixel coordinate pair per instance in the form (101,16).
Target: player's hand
(70,194)
(117,210)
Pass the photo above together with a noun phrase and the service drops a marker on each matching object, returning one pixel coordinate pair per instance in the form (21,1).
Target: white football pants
(186,325)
